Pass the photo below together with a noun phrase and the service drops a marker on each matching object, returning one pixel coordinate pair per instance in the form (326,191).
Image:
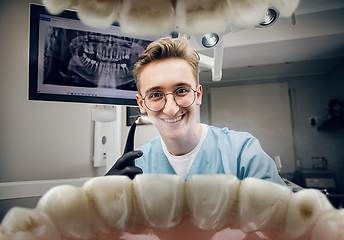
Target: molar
(160,199)
(27,224)
(68,207)
(304,209)
(112,197)
(330,226)
(125,68)
(210,198)
(127,53)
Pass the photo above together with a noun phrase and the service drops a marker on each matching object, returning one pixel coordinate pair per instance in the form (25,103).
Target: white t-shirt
(182,164)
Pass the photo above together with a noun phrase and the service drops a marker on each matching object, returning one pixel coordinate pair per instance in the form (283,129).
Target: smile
(167,207)
(174,120)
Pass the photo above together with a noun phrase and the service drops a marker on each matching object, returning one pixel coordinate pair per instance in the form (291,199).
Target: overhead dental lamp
(213,41)
(209,40)
(270,18)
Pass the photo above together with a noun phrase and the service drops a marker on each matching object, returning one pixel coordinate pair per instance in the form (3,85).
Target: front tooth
(68,207)
(304,208)
(285,7)
(56,7)
(98,14)
(201,16)
(160,199)
(108,52)
(263,205)
(173,120)
(330,226)
(210,198)
(26,224)
(147,17)
(112,198)
(244,14)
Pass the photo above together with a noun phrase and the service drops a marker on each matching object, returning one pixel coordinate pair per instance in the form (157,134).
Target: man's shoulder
(229,133)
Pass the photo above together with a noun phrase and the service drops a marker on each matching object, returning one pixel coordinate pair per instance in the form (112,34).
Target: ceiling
(312,46)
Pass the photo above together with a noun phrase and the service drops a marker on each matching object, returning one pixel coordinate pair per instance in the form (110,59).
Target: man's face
(166,76)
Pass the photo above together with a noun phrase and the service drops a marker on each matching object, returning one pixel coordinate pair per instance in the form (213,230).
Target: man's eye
(182,91)
(155,95)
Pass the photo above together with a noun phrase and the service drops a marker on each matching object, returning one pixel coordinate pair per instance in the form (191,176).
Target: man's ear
(140,103)
(199,95)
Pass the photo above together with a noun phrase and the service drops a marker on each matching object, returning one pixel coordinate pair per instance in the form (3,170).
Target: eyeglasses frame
(174,98)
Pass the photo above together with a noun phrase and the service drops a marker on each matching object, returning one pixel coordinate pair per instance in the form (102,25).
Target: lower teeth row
(209,202)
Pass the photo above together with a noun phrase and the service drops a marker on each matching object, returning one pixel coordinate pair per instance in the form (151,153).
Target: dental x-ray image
(87,59)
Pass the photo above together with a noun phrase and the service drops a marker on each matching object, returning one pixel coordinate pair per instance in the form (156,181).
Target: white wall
(40,140)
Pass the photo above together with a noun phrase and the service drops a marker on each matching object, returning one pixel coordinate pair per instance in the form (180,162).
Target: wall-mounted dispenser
(103,116)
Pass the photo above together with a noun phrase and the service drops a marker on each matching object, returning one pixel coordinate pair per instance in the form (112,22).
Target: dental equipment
(125,165)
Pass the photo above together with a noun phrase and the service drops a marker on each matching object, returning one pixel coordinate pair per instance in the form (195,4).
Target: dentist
(166,76)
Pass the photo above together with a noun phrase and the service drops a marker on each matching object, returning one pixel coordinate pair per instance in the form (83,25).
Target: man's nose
(171,107)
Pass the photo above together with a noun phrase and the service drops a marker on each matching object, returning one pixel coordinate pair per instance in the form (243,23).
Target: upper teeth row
(105,67)
(107,52)
(160,17)
(113,204)
(173,120)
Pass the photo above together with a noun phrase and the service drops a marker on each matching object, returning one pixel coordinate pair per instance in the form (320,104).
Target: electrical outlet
(314,120)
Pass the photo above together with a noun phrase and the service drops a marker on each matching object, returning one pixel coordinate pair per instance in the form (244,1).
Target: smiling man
(166,76)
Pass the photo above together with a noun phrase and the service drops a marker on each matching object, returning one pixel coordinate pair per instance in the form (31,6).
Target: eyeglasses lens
(184,97)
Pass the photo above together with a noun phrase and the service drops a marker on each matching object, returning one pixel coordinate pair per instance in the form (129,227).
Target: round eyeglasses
(184,97)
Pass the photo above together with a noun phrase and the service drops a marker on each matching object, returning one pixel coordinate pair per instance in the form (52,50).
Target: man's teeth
(205,204)
(173,120)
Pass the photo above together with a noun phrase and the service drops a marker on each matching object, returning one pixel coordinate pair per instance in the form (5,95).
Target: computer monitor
(72,62)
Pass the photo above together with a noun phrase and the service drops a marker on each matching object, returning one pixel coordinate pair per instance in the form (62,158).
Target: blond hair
(167,48)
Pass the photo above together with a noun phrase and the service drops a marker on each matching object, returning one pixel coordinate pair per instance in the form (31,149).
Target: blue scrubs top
(222,152)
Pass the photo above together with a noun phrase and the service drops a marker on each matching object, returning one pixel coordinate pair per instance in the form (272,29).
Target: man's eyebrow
(158,88)
(152,89)
(181,84)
